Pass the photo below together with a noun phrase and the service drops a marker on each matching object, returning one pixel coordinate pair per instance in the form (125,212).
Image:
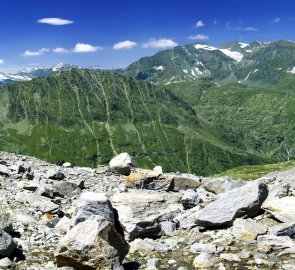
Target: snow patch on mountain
(158,68)
(234,55)
(205,47)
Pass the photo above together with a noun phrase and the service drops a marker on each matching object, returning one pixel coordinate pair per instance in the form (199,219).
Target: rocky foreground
(122,217)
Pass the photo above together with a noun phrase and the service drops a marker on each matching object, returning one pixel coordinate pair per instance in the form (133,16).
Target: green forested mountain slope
(87,117)
(256,64)
(257,120)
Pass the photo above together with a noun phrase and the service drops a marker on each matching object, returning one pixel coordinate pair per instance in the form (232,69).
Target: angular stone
(4,170)
(245,201)
(284,229)
(148,245)
(167,227)
(64,225)
(122,164)
(203,260)
(28,185)
(55,174)
(92,245)
(187,220)
(142,179)
(203,248)
(184,181)
(5,263)
(190,199)
(221,185)
(41,203)
(231,257)
(5,222)
(266,243)
(7,245)
(282,209)
(158,169)
(247,229)
(91,204)
(141,212)
(65,188)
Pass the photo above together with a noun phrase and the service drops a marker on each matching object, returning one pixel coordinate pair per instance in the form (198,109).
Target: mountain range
(196,108)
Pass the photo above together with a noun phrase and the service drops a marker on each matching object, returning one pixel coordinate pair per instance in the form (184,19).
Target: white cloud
(160,43)
(238,28)
(55,21)
(127,44)
(276,20)
(61,50)
(85,48)
(215,22)
(200,24)
(198,37)
(1,61)
(29,53)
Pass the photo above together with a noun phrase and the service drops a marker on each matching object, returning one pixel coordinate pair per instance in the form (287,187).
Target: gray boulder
(122,164)
(141,212)
(245,201)
(91,204)
(92,245)
(190,199)
(7,245)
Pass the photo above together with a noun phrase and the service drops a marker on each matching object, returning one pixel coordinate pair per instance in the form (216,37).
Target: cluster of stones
(123,217)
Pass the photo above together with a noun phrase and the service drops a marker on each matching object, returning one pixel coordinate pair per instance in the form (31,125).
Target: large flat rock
(140,213)
(282,209)
(245,201)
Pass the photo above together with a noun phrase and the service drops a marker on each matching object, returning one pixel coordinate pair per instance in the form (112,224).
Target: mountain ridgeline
(194,108)
(87,117)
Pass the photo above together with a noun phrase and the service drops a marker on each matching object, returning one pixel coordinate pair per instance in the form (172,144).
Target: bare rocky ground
(120,217)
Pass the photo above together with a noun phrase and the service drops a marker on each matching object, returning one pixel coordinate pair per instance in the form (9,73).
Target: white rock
(122,163)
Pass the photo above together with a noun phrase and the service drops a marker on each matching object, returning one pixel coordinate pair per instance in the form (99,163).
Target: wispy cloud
(86,48)
(200,24)
(215,22)
(55,21)
(1,61)
(198,37)
(276,20)
(160,43)
(61,50)
(127,44)
(239,28)
(29,53)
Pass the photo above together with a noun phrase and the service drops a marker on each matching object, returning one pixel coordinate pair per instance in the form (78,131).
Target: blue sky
(114,33)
